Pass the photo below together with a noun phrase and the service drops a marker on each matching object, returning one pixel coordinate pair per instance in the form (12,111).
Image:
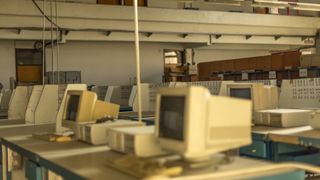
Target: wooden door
(29,66)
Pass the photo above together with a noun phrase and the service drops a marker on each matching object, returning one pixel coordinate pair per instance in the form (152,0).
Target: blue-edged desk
(37,155)
(22,129)
(307,140)
(77,161)
(284,144)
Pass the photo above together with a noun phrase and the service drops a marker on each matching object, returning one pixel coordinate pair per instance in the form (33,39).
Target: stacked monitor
(194,124)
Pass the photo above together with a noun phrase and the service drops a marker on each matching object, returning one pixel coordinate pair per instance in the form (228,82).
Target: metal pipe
(52,43)
(43,41)
(137,45)
(57,42)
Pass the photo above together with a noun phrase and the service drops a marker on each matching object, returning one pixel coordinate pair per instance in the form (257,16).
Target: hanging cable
(44,14)
(52,44)
(57,49)
(43,42)
(57,43)
(137,44)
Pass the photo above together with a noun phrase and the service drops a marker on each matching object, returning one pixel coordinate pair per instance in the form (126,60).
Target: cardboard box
(204,70)
(315,60)
(227,65)
(260,63)
(306,61)
(193,70)
(79,1)
(277,62)
(110,2)
(267,63)
(140,2)
(260,10)
(216,66)
(291,60)
(194,78)
(167,4)
(241,64)
(310,60)
(177,70)
(252,63)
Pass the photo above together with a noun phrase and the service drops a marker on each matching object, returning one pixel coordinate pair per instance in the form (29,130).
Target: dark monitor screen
(172,110)
(244,93)
(72,108)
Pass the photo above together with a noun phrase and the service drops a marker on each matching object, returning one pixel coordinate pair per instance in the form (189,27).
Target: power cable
(57,42)
(43,42)
(52,44)
(49,19)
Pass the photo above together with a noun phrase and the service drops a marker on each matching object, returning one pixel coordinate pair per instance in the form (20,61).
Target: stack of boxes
(180,73)
(174,73)
(276,62)
(122,2)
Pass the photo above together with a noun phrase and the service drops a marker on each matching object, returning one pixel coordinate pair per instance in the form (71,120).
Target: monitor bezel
(69,93)
(241,86)
(251,92)
(179,146)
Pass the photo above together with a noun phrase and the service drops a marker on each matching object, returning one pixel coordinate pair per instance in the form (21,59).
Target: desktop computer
(262,97)
(97,133)
(139,141)
(283,117)
(83,107)
(194,124)
(190,123)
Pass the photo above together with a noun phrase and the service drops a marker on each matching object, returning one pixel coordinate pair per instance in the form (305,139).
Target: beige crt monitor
(262,97)
(193,123)
(62,96)
(84,107)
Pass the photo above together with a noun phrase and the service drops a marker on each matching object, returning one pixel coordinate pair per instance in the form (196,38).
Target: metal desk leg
(33,171)
(6,175)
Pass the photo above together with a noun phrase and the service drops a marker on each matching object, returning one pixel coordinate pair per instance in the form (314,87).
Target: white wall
(113,63)
(7,62)
(104,63)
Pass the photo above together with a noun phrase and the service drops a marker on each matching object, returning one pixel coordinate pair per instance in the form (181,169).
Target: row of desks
(285,144)
(77,160)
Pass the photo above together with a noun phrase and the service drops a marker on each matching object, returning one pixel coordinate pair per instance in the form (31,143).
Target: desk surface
(299,135)
(83,161)
(276,130)
(24,129)
(11,121)
(93,166)
(52,149)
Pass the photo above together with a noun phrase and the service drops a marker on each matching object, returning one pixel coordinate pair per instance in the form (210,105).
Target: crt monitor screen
(244,93)
(72,108)
(172,115)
